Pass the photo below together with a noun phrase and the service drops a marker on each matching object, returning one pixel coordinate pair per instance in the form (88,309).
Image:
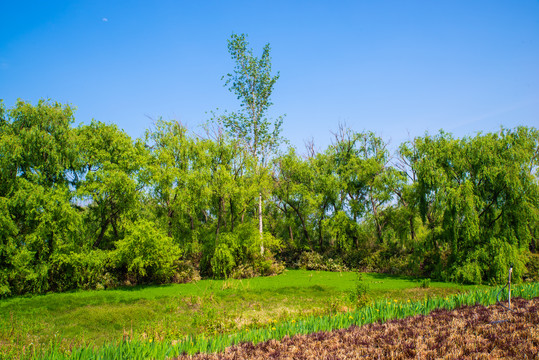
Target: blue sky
(398,68)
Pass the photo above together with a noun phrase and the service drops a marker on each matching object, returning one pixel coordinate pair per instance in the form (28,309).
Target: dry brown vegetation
(466,333)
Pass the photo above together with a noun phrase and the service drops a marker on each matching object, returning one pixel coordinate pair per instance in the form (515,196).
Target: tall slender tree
(252,82)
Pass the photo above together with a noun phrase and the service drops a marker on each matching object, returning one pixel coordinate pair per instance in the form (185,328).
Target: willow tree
(252,82)
(478,197)
(38,165)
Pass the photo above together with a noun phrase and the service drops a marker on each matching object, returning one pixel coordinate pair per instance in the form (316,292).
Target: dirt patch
(465,333)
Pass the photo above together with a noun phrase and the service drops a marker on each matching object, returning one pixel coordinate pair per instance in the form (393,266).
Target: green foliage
(359,296)
(310,260)
(38,165)
(43,148)
(342,230)
(532,268)
(89,270)
(89,207)
(503,256)
(237,254)
(222,261)
(146,253)
(185,272)
(424,284)
(476,195)
(252,83)
(109,185)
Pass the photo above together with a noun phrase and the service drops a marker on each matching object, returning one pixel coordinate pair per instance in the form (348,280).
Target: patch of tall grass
(381,310)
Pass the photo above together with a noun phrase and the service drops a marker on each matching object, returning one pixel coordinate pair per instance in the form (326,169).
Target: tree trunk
(376,219)
(320,239)
(291,234)
(412,229)
(170,214)
(260,229)
(101,233)
(223,214)
(303,225)
(219,215)
(51,244)
(232,215)
(113,223)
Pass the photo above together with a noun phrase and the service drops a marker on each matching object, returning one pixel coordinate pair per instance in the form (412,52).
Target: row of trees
(454,209)
(89,207)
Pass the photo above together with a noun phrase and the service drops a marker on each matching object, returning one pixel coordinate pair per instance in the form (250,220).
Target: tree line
(89,207)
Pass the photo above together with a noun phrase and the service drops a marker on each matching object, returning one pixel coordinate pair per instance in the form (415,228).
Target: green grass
(380,310)
(208,307)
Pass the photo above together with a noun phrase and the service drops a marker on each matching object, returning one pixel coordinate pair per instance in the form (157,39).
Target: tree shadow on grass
(139,287)
(382,276)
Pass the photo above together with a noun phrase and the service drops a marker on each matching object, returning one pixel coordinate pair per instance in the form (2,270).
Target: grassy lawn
(208,306)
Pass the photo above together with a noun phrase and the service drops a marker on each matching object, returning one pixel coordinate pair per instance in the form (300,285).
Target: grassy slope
(456,334)
(172,311)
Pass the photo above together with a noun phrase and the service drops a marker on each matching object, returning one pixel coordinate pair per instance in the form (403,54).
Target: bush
(185,272)
(266,267)
(237,254)
(424,284)
(502,254)
(275,268)
(146,254)
(4,285)
(335,265)
(222,261)
(354,258)
(532,268)
(469,273)
(26,275)
(89,270)
(359,295)
(244,271)
(311,260)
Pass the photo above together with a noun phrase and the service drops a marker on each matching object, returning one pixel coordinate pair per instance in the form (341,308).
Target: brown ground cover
(465,333)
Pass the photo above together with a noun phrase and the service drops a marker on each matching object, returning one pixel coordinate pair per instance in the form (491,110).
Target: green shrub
(222,261)
(146,254)
(244,271)
(335,265)
(359,296)
(389,258)
(87,270)
(354,258)
(532,268)
(4,285)
(311,260)
(269,267)
(424,284)
(26,275)
(237,254)
(185,272)
(469,273)
(503,255)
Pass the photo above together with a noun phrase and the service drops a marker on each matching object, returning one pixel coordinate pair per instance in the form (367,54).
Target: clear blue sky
(393,67)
